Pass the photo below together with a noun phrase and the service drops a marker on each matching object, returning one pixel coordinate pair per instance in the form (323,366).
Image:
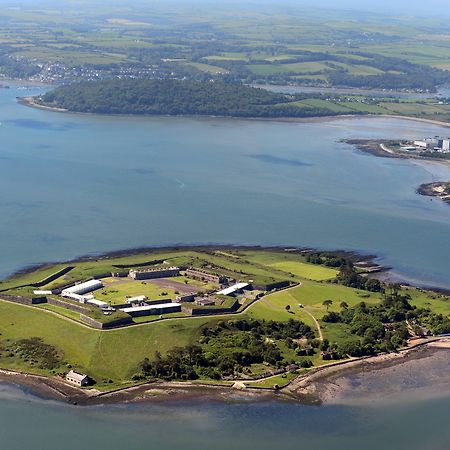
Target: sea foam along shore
(315,387)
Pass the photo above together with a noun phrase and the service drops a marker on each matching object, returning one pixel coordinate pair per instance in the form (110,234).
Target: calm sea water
(28,423)
(74,184)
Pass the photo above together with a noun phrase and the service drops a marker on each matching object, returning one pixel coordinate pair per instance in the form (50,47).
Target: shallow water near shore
(78,184)
(33,423)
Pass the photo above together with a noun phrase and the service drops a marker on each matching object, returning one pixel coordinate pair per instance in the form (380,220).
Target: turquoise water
(28,423)
(74,184)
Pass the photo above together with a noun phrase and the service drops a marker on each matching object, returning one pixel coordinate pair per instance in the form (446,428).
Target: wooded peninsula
(176,97)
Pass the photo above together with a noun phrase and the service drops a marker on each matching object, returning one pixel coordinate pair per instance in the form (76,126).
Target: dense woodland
(231,347)
(227,349)
(382,328)
(175,97)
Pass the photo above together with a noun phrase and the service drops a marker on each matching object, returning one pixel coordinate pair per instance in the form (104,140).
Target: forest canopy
(177,97)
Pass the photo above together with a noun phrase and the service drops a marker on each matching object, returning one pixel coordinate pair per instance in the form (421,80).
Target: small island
(147,324)
(440,190)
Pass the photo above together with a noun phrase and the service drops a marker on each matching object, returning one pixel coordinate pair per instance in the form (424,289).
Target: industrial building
(98,303)
(436,144)
(202,275)
(148,274)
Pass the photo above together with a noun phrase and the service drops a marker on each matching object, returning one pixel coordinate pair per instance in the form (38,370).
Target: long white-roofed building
(235,289)
(76,292)
(149,310)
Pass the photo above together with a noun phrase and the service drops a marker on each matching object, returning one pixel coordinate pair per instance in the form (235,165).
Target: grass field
(311,295)
(209,68)
(303,270)
(105,355)
(117,290)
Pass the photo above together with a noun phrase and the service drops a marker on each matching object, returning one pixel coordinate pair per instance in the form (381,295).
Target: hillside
(176,97)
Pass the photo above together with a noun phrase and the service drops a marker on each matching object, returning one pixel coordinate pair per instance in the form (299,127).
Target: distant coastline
(379,147)
(30,101)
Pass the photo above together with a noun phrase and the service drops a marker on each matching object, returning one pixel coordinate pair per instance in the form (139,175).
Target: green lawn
(119,289)
(439,303)
(279,380)
(103,355)
(320,103)
(311,295)
(303,270)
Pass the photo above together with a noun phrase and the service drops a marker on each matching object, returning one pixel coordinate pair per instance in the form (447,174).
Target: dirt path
(316,322)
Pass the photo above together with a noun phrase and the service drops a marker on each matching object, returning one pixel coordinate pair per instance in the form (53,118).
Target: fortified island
(140,324)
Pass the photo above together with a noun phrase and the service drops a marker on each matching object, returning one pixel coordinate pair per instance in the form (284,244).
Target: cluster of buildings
(434,144)
(60,73)
(142,306)
(82,293)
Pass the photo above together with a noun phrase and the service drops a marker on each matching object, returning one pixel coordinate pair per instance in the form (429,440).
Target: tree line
(226,349)
(177,97)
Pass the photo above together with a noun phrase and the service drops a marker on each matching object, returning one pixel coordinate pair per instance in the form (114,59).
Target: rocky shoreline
(440,190)
(322,385)
(380,148)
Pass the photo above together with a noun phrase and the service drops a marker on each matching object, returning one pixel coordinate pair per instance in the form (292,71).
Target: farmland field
(252,46)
